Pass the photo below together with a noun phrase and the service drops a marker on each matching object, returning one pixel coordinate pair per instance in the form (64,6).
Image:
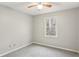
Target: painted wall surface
(66,22)
(77,28)
(15,29)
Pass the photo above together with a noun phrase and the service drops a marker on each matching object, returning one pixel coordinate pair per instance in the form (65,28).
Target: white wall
(15,29)
(78,28)
(67,36)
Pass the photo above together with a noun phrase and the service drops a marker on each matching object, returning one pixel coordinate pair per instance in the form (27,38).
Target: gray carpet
(35,50)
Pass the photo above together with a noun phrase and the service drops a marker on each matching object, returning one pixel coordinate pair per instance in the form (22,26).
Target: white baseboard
(14,49)
(74,51)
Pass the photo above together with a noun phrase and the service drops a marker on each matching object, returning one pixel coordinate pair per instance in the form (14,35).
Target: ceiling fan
(40,5)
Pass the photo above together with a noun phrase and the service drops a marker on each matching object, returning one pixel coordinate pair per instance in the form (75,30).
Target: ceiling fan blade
(31,6)
(47,5)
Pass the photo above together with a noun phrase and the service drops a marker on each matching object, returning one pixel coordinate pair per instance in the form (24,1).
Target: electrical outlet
(12,45)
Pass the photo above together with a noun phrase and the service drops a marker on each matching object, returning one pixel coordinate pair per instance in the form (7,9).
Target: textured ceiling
(22,7)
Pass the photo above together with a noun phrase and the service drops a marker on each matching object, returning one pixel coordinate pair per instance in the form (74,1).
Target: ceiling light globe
(40,7)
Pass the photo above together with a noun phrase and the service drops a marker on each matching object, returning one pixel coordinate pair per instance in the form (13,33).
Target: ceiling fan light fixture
(40,6)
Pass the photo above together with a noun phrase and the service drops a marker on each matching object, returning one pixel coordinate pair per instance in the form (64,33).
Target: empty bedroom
(39,29)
